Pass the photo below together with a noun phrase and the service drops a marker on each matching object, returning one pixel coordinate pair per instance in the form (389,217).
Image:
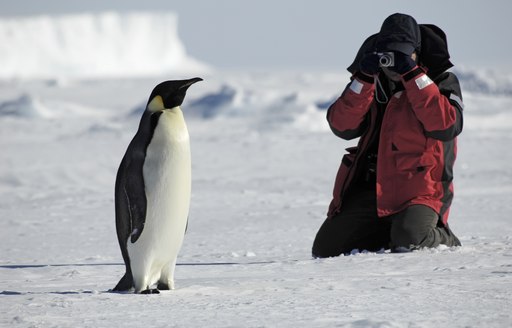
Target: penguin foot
(126,283)
(163,286)
(150,291)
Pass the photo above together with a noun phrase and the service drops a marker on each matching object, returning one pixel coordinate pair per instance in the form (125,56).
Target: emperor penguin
(152,192)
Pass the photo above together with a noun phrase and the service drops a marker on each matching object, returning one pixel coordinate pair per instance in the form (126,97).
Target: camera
(386,59)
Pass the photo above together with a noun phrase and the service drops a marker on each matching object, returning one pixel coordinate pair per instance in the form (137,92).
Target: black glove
(403,63)
(369,64)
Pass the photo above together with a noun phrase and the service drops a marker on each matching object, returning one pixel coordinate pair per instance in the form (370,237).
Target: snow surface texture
(264,162)
(93,45)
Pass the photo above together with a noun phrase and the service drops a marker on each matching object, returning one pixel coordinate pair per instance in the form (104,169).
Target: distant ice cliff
(107,44)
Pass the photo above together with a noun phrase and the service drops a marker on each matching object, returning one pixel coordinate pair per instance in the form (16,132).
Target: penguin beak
(190,82)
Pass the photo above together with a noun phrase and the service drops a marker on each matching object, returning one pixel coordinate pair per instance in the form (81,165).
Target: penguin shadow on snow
(36,267)
(15,293)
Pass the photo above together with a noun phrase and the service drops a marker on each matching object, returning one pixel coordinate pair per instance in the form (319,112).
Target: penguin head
(169,94)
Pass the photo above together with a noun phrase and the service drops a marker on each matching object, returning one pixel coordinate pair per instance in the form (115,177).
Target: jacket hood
(433,52)
(399,32)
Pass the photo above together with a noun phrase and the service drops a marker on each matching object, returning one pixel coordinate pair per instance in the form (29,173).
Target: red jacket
(417,142)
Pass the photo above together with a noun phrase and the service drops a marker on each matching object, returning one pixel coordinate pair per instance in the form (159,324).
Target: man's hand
(369,64)
(403,63)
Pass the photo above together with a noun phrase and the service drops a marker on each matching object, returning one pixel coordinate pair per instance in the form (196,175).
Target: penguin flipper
(135,194)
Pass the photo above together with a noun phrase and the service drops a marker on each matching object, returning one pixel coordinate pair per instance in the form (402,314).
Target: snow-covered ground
(264,162)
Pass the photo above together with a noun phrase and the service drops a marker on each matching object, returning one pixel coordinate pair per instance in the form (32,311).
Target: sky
(301,34)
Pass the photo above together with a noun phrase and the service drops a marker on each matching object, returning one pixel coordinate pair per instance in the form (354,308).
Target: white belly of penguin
(167,179)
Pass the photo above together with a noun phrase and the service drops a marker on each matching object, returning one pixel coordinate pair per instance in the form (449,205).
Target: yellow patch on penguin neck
(156,104)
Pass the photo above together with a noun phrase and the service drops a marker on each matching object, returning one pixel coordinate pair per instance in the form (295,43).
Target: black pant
(357,226)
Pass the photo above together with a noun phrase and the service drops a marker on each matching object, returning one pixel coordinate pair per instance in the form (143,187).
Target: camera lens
(385,60)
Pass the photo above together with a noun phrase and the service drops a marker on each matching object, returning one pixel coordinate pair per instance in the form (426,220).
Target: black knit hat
(399,32)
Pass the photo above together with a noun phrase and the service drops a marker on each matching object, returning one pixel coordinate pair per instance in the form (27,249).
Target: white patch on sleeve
(457,100)
(423,81)
(356,86)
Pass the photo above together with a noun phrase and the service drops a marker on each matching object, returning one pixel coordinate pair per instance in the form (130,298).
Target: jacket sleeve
(347,115)
(437,106)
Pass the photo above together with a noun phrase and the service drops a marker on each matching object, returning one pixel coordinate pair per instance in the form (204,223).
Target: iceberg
(102,45)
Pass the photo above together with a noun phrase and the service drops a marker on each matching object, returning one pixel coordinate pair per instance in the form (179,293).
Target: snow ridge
(106,44)
(484,82)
